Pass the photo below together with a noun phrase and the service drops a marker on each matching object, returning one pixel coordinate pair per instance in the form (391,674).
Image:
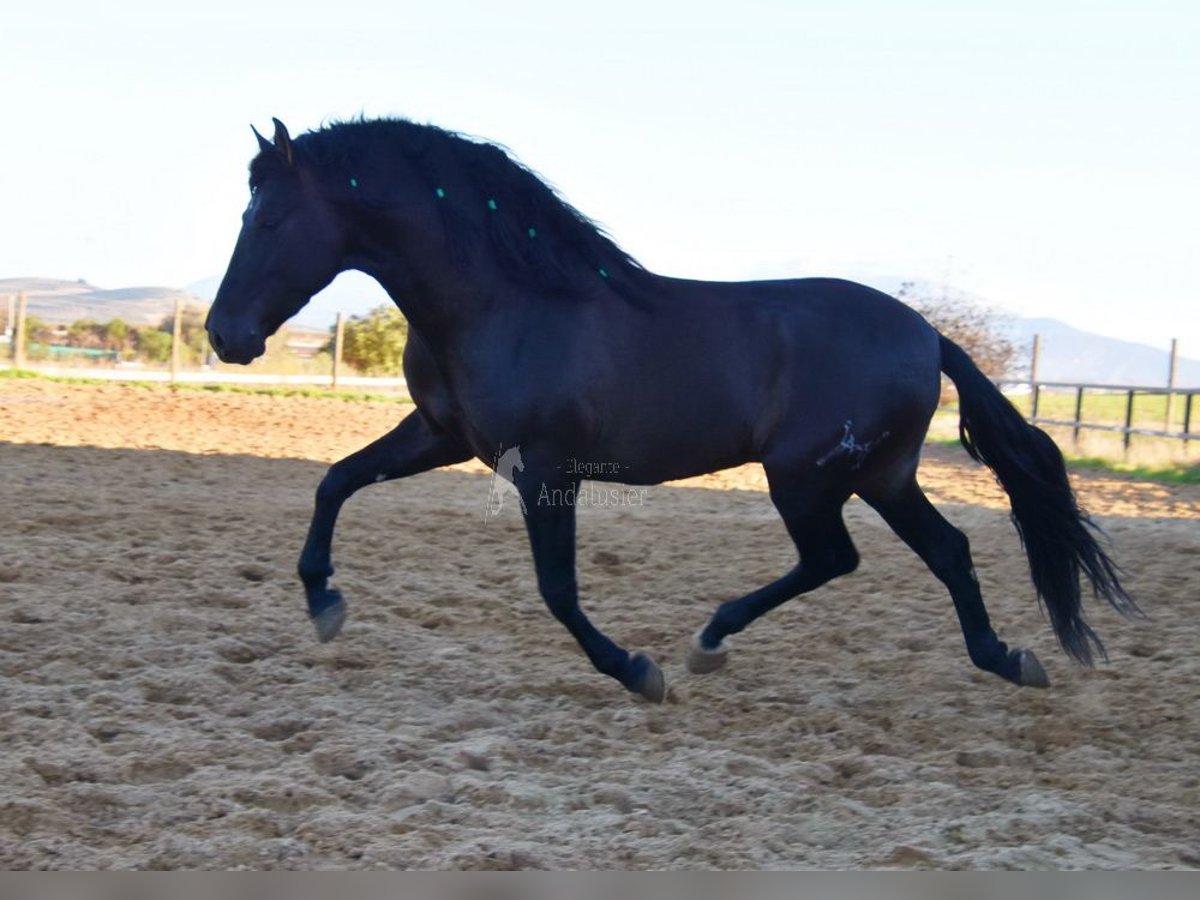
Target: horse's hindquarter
(858,364)
(738,372)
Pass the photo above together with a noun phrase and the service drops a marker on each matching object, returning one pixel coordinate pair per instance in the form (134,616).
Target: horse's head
(291,245)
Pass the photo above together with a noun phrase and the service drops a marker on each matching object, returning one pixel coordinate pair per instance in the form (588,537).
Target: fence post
(339,341)
(1034,365)
(1078,413)
(1128,421)
(18,347)
(1172,374)
(8,320)
(1187,419)
(176,339)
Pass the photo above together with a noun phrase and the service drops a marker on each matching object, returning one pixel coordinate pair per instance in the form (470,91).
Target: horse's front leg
(550,521)
(413,446)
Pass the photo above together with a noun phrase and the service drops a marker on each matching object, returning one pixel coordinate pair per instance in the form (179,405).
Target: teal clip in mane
(533,232)
(353,182)
(492,205)
(441,194)
(603,273)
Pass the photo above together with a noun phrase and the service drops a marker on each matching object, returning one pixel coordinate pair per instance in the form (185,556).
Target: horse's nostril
(218,344)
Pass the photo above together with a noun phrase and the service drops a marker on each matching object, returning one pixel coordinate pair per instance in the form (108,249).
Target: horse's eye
(267,219)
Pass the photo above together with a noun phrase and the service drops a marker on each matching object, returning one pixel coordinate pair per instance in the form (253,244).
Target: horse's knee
(844,561)
(334,487)
(956,550)
(960,548)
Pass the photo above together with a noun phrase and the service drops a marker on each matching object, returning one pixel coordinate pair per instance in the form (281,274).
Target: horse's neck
(438,300)
(435,321)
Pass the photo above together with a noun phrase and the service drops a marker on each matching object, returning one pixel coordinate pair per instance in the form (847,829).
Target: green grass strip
(1176,473)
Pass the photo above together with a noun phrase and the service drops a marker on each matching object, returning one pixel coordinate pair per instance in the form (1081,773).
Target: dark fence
(1128,429)
(1127,424)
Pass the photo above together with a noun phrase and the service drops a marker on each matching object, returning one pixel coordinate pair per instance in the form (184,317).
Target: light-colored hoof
(653,685)
(701,661)
(329,622)
(1032,673)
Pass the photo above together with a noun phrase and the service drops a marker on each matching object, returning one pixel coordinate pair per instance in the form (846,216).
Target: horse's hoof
(648,680)
(329,621)
(701,661)
(1032,673)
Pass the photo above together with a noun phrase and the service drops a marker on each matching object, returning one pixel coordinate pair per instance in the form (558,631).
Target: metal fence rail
(1131,392)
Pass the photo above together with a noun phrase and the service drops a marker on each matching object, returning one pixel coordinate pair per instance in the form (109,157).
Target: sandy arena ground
(166,705)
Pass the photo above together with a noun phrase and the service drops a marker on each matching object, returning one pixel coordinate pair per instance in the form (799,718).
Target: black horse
(530,327)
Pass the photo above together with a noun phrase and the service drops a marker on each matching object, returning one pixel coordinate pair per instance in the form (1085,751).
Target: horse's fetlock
(314,575)
(989,654)
(725,621)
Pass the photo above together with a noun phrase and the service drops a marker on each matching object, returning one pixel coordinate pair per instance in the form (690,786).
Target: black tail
(1056,534)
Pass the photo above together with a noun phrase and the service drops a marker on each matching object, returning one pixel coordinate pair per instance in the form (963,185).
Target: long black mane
(485,197)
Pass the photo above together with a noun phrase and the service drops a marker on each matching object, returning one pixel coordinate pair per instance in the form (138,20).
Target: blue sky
(1040,155)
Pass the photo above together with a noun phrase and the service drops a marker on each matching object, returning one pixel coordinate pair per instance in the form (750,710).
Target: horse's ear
(282,144)
(263,144)
(283,141)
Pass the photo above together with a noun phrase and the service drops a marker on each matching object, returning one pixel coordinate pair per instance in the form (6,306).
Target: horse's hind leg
(812,512)
(947,553)
(411,447)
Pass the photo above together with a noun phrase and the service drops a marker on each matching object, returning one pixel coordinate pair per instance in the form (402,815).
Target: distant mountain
(63,302)
(205,287)
(1071,354)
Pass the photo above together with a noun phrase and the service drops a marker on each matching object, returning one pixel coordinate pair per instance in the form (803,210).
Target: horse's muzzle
(236,346)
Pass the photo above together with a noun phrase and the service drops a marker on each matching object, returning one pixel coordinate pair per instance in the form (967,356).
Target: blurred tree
(37,331)
(195,338)
(152,344)
(374,343)
(116,336)
(83,333)
(976,328)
